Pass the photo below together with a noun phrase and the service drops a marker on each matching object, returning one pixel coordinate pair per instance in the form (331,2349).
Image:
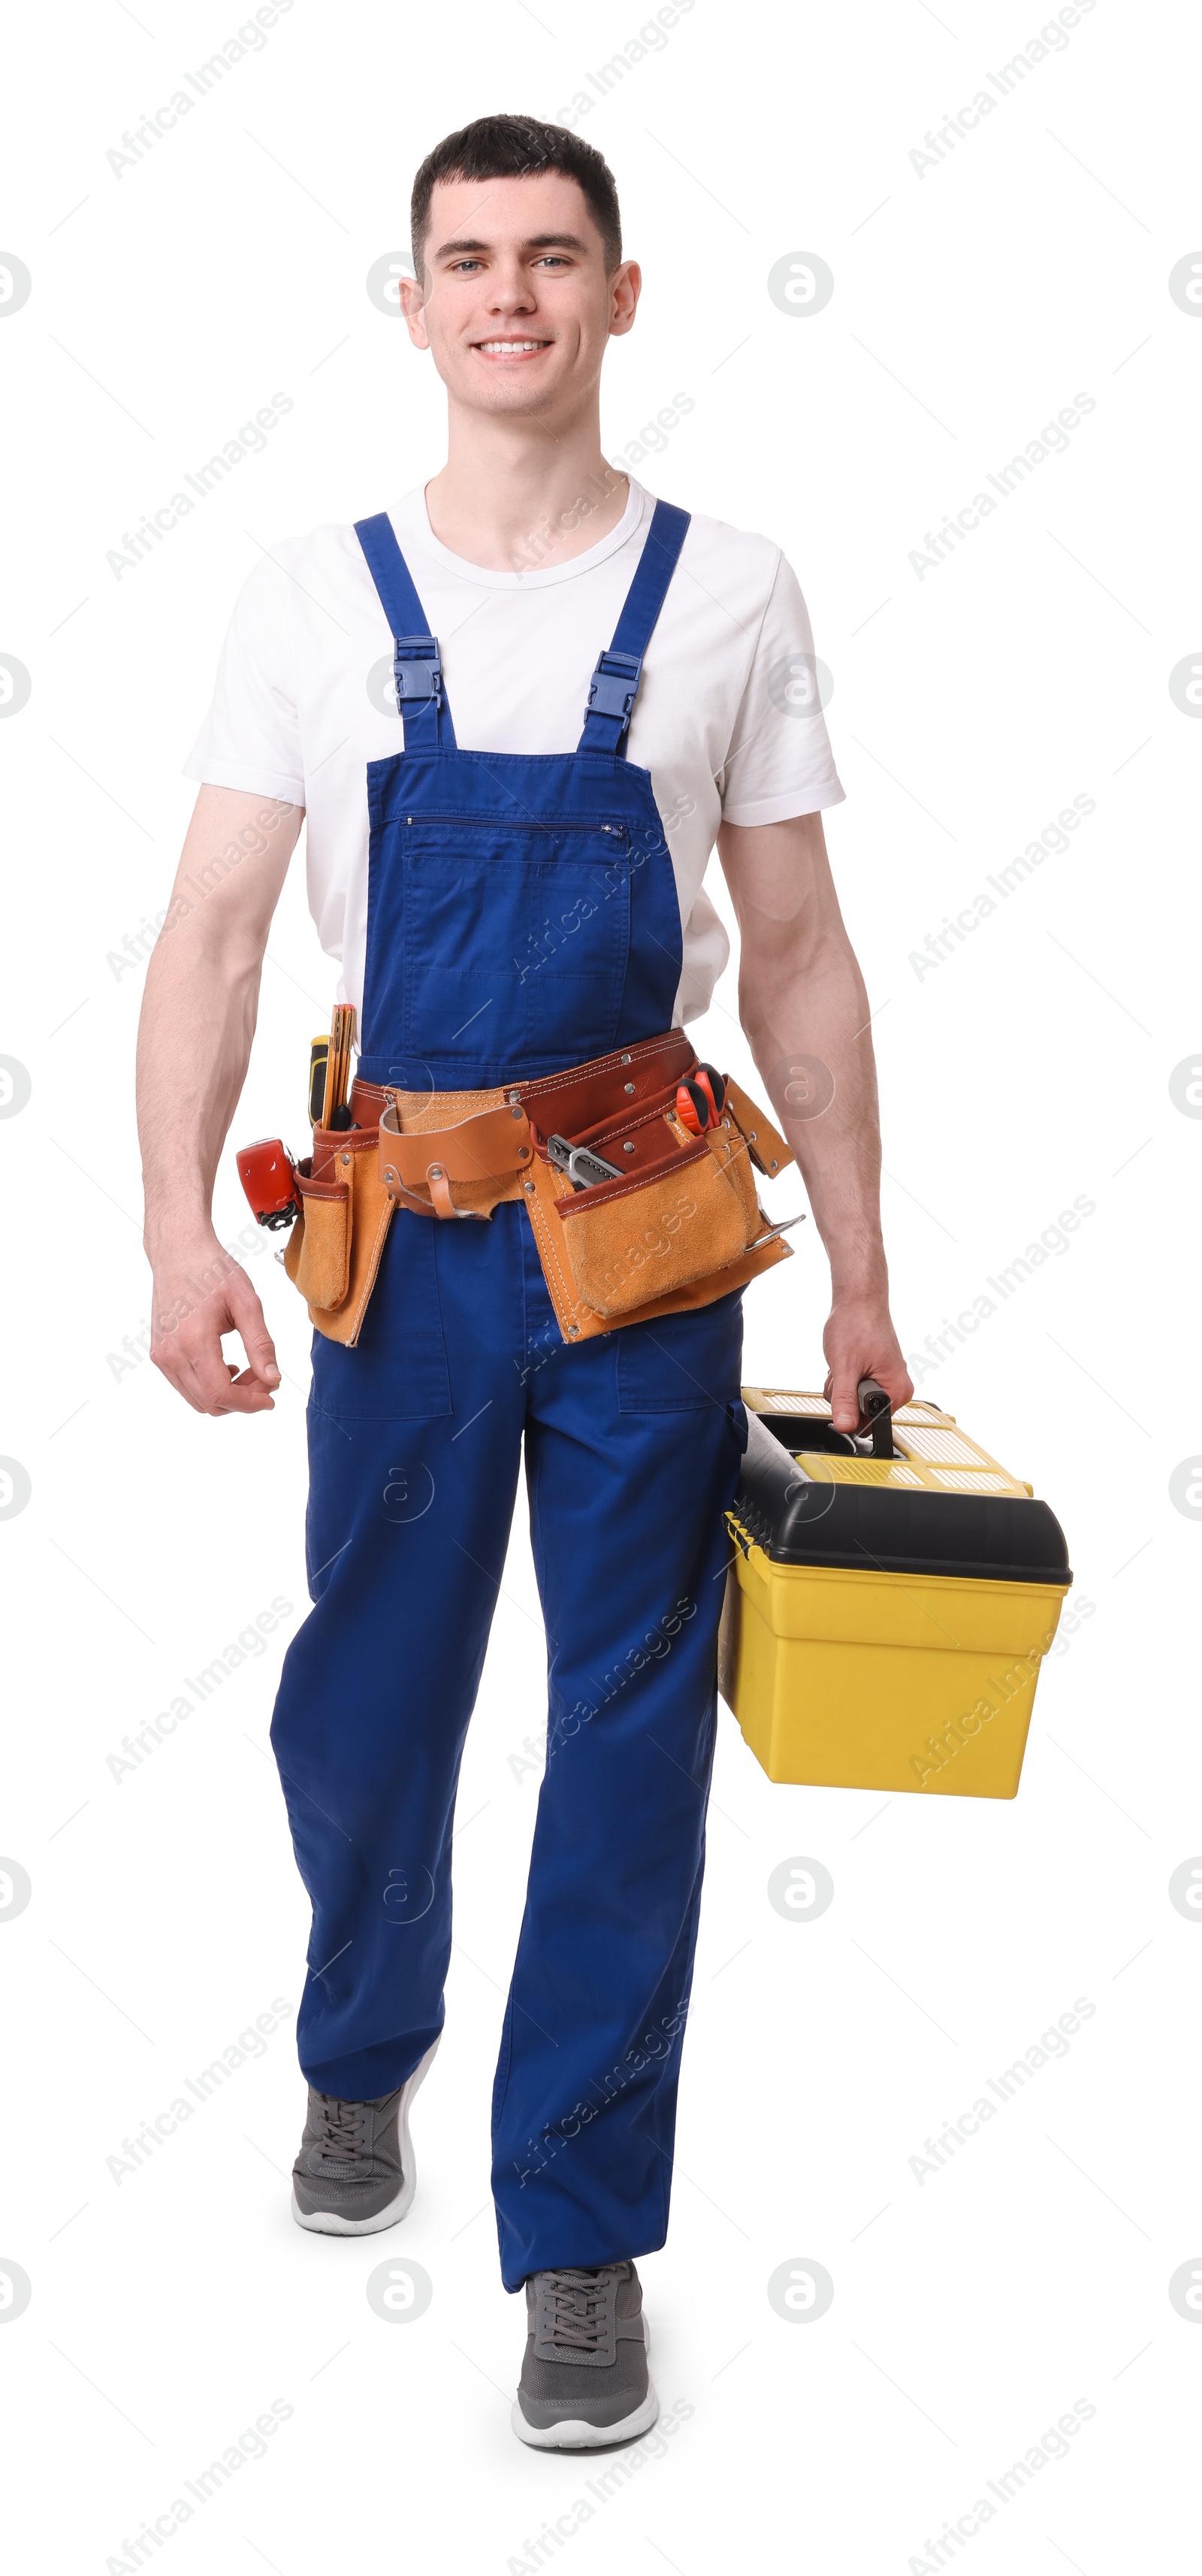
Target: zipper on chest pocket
(474,823)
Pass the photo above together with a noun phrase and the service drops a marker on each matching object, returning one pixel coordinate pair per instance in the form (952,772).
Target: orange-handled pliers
(699,1100)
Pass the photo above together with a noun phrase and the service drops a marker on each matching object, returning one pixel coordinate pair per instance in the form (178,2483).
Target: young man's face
(516,307)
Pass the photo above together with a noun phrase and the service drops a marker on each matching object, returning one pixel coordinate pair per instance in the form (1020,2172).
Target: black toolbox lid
(1000,1538)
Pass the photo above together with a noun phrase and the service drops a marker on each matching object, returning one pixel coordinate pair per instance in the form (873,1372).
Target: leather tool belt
(679,1226)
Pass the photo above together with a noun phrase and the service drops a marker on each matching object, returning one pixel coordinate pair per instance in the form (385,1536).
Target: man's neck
(518,496)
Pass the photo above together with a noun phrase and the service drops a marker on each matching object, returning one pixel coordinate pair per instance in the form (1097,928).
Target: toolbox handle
(877,1413)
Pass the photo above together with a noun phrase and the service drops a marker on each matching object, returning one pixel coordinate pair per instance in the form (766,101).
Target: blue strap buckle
(614,686)
(418,670)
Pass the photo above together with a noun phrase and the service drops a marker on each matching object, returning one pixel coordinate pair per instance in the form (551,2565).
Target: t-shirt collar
(410,519)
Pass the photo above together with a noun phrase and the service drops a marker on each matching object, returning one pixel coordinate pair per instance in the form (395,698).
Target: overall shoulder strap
(421,698)
(615,681)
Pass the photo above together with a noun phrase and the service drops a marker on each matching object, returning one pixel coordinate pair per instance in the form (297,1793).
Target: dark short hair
(517,147)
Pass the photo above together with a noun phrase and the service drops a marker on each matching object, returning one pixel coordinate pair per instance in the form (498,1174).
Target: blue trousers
(632,1451)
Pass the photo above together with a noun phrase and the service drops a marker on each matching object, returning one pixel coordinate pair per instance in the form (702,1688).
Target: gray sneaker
(584,2380)
(355,2172)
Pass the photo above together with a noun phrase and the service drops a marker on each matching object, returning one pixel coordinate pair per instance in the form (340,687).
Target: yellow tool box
(890,1599)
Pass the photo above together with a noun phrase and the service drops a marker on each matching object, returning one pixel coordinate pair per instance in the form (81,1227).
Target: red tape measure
(268,1176)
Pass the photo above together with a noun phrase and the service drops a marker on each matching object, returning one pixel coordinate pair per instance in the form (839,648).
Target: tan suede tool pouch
(632,1240)
(334,1249)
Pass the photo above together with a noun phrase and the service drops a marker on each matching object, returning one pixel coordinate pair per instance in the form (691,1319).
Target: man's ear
(626,286)
(413,306)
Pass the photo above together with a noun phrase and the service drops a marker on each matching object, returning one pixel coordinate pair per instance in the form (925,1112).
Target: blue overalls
(522,919)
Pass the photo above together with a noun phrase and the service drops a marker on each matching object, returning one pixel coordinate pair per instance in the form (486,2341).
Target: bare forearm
(194,1044)
(198,1020)
(805,1013)
(198,1012)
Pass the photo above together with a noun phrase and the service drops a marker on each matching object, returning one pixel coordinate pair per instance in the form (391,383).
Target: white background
(1032,1065)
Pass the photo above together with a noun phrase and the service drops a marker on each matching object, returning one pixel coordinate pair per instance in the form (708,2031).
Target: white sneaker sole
(576,2435)
(329,2222)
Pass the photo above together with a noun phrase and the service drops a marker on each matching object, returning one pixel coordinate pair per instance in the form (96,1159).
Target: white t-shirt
(727,718)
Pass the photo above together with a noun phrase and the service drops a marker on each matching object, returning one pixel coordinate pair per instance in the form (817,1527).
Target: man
(513,898)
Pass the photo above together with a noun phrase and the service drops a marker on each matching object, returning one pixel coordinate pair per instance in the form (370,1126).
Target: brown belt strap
(580,1098)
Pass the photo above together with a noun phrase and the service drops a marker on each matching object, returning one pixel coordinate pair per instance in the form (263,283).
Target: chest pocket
(515,940)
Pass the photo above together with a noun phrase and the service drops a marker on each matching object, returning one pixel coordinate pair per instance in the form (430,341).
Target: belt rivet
(516,1111)
(344,1158)
(434,1172)
(624,1059)
(390,1175)
(628,1147)
(628,1086)
(772,1164)
(523,1153)
(527,1185)
(573,1331)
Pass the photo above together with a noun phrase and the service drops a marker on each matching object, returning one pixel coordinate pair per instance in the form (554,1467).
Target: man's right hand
(200,1293)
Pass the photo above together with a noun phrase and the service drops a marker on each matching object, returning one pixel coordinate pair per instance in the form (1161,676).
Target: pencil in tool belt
(335,1112)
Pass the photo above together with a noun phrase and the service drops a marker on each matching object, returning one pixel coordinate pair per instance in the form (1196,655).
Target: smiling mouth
(510,348)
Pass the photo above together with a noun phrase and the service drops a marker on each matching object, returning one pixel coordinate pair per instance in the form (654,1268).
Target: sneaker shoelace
(577,2307)
(341,2128)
